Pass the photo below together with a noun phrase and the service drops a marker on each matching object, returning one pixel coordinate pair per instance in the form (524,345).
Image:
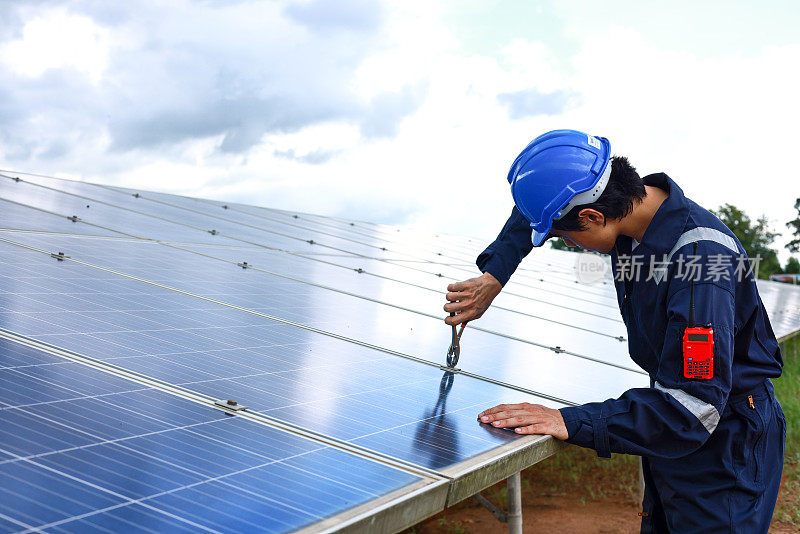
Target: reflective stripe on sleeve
(705,413)
(701,233)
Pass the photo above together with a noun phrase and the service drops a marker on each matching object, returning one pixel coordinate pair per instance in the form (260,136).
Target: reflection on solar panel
(130,319)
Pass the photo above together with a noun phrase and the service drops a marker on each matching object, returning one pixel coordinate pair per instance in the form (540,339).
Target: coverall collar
(669,220)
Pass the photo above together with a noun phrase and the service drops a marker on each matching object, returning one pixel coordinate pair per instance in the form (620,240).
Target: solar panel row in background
(328,330)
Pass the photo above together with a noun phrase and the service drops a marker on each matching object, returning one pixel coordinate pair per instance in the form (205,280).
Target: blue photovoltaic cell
(16,355)
(7,525)
(45,383)
(78,465)
(243,506)
(565,289)
(544,322)
(34,496)
(128,518)
(126,295)
(349,391)
(557,265)
(383,326)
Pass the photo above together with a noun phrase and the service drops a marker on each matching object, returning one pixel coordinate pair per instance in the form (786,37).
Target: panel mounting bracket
(229,406)
(60,256)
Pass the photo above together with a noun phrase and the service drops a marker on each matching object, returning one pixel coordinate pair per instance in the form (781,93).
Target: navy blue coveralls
(712,450)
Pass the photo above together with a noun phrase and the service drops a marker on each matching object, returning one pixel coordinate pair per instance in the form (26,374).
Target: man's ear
(589,217)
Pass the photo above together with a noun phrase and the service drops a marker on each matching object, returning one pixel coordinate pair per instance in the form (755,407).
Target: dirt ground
(547,515)
(554,514)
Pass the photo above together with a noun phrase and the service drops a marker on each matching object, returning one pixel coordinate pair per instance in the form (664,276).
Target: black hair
(623,189)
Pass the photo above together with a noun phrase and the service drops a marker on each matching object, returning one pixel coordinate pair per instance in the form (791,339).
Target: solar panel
(329,332)
(572,378)
(100,452)
(782,302)
(128,214)
(295,374)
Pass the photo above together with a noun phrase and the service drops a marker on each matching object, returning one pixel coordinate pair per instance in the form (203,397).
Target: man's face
(600,235)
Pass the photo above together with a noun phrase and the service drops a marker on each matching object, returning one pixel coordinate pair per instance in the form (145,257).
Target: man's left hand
(527,419)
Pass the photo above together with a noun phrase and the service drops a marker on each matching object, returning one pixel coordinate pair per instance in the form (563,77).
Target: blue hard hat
(556,172)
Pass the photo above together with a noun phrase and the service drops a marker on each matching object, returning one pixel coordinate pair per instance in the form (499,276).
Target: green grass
(452,527)
(787,390)
(581,474)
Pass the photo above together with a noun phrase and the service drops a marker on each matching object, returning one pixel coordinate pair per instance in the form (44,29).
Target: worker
(711,441)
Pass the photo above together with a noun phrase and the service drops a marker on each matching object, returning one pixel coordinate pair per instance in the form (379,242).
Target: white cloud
(384,113)
(722,128)
(59,40)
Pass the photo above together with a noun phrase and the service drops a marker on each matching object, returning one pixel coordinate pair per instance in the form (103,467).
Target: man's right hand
(471,298)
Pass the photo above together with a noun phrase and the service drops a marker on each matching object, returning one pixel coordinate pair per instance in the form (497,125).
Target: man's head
(593,226)
(562,183)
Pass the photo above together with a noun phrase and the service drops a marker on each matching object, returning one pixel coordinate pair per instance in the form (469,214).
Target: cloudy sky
(400,112)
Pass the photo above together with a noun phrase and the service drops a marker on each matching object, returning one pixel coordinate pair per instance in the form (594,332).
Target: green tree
(792,266)
(756,237)
(794,244)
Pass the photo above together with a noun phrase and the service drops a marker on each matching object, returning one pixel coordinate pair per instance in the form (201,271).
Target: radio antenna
(691,291)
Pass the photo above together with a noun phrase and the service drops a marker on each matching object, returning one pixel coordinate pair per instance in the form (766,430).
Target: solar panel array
(129,319)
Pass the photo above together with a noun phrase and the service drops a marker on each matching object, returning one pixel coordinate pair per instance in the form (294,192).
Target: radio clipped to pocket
(698,344)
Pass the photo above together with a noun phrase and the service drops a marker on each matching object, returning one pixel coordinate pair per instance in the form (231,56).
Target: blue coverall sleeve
(503,256)
(676,415)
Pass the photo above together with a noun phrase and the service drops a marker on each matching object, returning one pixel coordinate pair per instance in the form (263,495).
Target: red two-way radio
(698,343)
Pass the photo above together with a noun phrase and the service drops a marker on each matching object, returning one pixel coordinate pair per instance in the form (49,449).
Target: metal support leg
(514,496)
(514,493)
